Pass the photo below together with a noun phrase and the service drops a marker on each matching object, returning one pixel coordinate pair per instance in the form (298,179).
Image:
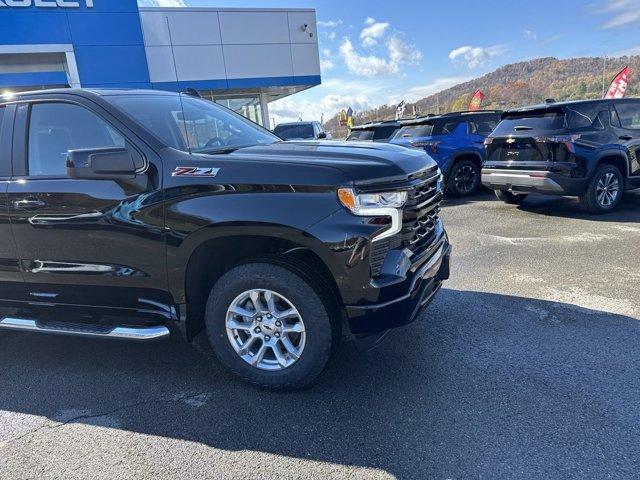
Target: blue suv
(455,141)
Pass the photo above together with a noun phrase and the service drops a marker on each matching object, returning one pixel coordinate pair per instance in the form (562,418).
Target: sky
(381,52)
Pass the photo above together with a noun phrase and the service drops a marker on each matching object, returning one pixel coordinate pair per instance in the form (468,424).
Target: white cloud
(329,23)
(622,12)
(529,34)
(370,21)
(627,52)
(326,65)
(371,34)
(162,3)
(373,65)
(400,52)
(331,35)
(292,108)
(365,65)
(476,56)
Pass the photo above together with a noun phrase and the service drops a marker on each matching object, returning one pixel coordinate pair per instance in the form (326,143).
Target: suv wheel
(464,179)
(267,324)
(510,197)
(604,191)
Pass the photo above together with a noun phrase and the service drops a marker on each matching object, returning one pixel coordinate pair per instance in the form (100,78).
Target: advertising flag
(476,100)
(400,109)
(619,84)
(350,117)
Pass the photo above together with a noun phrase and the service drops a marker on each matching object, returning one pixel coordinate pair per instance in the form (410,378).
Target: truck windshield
(192,124)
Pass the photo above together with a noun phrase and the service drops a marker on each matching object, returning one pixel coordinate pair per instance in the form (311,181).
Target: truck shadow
(485,385)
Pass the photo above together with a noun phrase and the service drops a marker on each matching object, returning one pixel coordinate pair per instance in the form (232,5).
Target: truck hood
(361,161)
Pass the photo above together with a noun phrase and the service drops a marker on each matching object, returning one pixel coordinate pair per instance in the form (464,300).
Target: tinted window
(289,132)
(361,135)
(483,125)
(531,121)
(629,114)
(382,133)
(412,131)
(56,128)
(586,116)
(192,124)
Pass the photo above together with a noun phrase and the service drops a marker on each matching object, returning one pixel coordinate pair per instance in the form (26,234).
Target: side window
(483,126)
(629,114)
(586,116)
(56,128)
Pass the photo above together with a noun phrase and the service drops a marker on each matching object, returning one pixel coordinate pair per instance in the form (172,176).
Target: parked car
(455,141)
(301,131)
(373,132)
(128,214)
(589,149)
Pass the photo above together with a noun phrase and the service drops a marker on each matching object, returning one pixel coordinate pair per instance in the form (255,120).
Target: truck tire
(604,191)
(270,324)
(510,197)
(464,179)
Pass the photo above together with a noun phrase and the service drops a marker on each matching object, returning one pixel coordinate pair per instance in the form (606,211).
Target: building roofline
(222,9)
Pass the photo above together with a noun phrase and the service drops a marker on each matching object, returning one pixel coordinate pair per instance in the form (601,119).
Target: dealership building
(241,58)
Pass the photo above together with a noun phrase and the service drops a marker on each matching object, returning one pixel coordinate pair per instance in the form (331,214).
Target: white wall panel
(297,20)
(199,62)
(194,28)
(154,28)
(305,59)
(249,61)
(243,28)
(160,61)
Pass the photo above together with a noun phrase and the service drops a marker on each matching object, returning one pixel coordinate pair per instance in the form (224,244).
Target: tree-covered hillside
(515,85)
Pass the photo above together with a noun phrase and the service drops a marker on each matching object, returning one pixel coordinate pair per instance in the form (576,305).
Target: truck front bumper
(420,289)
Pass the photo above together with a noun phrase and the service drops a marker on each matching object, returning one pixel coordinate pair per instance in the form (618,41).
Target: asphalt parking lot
(526,366)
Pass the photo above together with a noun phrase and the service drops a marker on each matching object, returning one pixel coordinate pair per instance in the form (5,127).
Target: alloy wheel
(265,329)
(607,189)
(465,179)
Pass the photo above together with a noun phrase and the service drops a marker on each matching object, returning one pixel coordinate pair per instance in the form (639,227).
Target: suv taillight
(567,140)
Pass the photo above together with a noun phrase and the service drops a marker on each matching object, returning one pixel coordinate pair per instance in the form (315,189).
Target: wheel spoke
(246,346)
(290,313)
(282,360)
(293,328)
(255,299)
(271,302)
(291,349)
(237,325)
(243,312)
(257,358)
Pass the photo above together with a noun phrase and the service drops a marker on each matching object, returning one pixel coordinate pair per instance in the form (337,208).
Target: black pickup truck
(130,214)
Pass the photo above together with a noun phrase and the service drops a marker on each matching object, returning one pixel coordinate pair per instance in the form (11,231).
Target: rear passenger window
(56,128)
(629,114)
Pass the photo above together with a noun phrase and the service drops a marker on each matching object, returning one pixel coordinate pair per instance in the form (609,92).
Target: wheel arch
(217,253)
(615,158)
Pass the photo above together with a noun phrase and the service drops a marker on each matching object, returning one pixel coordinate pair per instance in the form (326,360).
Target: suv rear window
(288,132)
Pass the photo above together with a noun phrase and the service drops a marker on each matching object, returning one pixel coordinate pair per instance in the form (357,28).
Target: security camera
(305,27)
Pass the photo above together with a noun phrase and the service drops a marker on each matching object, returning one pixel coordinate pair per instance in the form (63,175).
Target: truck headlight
(387,204)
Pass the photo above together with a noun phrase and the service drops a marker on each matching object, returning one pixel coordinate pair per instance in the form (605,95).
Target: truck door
(85,242)
(11,281)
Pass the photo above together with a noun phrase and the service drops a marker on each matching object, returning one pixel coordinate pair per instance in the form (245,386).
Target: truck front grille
(421,215)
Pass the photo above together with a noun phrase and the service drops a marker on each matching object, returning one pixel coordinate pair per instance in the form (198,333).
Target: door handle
(29,204)
(625,137)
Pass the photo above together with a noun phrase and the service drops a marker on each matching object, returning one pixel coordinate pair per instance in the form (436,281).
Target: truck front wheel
(269,324)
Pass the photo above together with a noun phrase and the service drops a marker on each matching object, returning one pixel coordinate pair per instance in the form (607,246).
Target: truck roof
(553,103)
(430,117)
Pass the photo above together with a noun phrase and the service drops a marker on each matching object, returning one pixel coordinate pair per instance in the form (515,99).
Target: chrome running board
(87,331)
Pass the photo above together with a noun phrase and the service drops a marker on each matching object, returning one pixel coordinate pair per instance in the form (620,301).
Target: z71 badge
(195,172)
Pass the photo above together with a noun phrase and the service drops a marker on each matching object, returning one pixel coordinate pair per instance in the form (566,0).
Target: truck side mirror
(110,163)
(322,135)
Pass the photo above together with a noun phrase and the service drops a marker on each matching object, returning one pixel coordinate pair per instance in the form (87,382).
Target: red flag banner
(476,100)
(619,84)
